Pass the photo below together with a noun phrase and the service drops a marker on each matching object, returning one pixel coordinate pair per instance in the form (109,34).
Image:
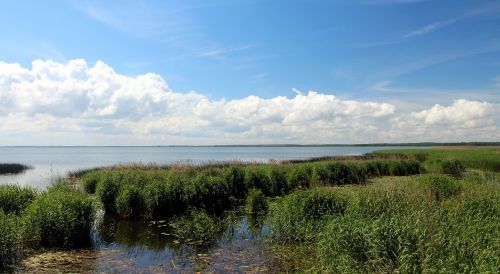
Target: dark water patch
(138,246)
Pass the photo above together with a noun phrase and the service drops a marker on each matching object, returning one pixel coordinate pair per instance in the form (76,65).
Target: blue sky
(409,53)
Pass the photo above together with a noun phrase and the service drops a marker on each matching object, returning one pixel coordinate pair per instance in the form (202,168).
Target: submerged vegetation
(404,211)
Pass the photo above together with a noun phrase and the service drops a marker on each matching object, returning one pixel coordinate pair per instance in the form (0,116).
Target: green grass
(9,238)
(487,159)
(299,216)
(424,223)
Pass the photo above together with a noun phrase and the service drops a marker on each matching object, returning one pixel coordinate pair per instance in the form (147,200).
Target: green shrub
(9,238)
(300,215)
(196,227)
(90,181)
(130,202)
(235,179)
(453,167)
(59,217)
(14,198)
(256,202)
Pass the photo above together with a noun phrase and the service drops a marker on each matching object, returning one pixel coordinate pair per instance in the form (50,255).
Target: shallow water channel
(148,247)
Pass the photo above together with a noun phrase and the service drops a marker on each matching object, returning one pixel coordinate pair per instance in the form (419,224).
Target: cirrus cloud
(75,99)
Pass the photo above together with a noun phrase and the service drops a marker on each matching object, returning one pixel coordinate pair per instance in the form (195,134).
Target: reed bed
(423,223)
(8,168)
(161,193)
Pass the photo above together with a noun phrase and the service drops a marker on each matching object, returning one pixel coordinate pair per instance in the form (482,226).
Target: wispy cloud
(261,76)
(44,50)
(436,59)
(430,28)
(497,81)
(171,25)
(143,21)
(416,97)
(224,51)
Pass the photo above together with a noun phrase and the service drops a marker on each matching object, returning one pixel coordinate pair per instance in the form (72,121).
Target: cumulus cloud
(76,99)
(460,112)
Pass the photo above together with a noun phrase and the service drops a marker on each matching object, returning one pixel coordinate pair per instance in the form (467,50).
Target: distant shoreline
(423,144)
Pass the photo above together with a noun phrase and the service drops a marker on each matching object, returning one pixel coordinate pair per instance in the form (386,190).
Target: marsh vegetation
(6,168)
(410,211)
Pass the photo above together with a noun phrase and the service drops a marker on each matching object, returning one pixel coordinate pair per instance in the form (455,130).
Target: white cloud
(460,112)
(90,104)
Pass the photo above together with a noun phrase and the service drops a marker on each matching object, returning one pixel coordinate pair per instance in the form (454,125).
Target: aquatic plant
(278,184)
(7,168)
(9,238)
(300,176)
(430,223)
(165,197)
(107,189)
(235,179)
(59,217)
(256,202)
(298,217)
(196,227)
(257,177)
(453,167)
(130,202)
(90,181)
(441,187)
(485,159)
(207,192)
(14,198)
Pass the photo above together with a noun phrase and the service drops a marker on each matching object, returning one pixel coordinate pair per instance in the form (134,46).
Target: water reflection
(132,246)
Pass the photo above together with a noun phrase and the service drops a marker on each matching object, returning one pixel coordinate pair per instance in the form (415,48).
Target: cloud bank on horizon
(77,104)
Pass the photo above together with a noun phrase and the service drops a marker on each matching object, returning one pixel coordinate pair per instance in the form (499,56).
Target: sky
(248,72)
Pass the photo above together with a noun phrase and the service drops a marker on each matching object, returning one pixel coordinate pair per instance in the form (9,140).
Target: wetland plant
(14,198)
(256,202)
(59,217)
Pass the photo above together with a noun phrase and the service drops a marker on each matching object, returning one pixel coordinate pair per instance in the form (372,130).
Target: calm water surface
(51,162)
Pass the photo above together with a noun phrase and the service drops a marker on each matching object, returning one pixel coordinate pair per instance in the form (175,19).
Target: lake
(52,162)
